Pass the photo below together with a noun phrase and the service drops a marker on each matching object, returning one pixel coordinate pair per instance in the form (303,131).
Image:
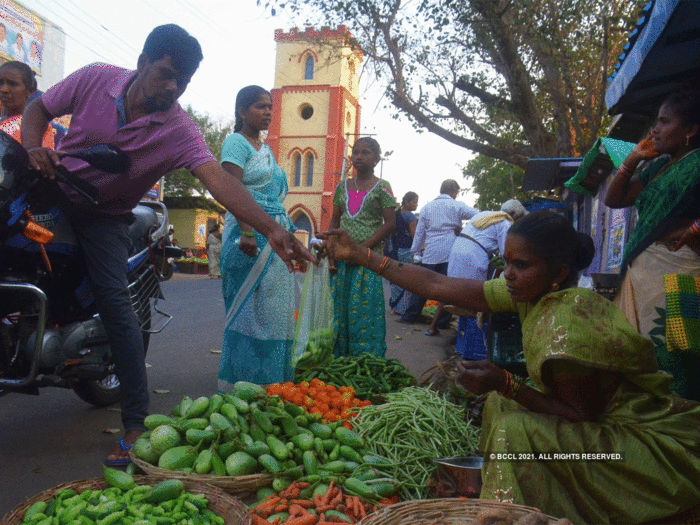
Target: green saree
(655,431)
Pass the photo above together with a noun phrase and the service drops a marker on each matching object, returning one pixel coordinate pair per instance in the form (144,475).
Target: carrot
(324,508)
(318,500)
(280,508)
(329,494)
(307,519)
(303,503)
(268,503)
(338,498)
(363,513)
(257,520)
(297,510)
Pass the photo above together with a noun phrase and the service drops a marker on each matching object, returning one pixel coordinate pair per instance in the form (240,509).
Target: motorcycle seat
(145,221)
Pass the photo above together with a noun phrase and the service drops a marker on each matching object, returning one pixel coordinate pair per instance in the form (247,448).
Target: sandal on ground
(432,334)
(119,462)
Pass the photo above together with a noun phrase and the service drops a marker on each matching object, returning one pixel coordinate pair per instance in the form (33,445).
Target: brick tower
(316,119)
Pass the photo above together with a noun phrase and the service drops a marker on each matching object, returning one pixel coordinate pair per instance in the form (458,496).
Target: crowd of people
(597,383)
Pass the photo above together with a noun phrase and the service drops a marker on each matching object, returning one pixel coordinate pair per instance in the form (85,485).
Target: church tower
(316,119)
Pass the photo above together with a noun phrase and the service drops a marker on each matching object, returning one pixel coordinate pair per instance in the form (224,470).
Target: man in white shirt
(439,223)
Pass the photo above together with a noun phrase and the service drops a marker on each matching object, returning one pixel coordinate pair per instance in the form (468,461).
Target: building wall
(316,117)
(192,226)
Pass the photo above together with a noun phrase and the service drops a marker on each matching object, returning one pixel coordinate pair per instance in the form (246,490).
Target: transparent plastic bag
(314,334)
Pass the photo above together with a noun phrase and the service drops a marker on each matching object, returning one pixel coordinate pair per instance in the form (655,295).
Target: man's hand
(248,245)
(290,249)
(44,160)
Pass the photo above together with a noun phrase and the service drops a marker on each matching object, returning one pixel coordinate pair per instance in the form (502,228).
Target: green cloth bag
(611,150)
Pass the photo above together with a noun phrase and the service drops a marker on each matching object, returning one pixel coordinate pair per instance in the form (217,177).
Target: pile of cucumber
(125,502)
(247,432)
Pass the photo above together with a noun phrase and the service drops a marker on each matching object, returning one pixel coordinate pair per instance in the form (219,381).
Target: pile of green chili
(368,374)
(415,426)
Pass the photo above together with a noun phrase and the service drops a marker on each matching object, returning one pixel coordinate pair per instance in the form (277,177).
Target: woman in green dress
(666,238)
(599,437)
(364,206)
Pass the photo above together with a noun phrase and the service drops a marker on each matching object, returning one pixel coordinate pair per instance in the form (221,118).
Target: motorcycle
(50,332)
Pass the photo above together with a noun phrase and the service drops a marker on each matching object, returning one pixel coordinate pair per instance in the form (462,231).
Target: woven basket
(231,484)
(452,511)
(221,503)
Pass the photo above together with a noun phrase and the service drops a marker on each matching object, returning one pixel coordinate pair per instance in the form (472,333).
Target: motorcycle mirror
(103,157)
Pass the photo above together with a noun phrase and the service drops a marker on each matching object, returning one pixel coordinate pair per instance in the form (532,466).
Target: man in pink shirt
(137,112)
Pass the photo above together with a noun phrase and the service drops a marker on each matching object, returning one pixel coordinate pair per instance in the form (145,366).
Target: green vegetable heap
(369,375)
(124,502)
(247,432)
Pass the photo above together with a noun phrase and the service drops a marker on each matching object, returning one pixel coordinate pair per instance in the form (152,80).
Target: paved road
(55,437)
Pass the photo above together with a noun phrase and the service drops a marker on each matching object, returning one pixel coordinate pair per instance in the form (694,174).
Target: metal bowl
(464,472)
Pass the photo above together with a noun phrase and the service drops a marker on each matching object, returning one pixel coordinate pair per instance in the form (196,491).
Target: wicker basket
(221,503)
(452,511)
(231,484)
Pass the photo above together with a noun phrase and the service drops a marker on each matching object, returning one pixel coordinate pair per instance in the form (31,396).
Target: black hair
(409,197)
(28,76)
(245,98)
(685,104)
(372,143)
(554,239)
(172,40)
(449,186)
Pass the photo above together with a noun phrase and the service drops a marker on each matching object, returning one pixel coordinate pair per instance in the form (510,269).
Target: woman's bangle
(508,388)
(369,254)
(625,172)
(696,227)
(385,263)
(517,383)
(247,234)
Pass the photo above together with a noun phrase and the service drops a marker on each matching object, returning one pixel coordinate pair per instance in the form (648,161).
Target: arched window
(309,68)
(297,169)
(310,170)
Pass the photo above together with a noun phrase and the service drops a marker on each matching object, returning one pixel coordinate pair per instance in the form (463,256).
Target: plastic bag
(314,334)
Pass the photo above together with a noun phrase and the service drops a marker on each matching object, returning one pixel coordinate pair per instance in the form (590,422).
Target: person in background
(402,239)
(438,223)
(666,238)
(365,206)
(596,387)
(136,111)
(17,51)
(483,235)
(214,251)
(258,290)
(4,45)
(34,60)
(17,85)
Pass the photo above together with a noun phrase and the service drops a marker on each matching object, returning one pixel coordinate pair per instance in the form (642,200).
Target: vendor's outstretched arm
(233,195)
(35,120)
(467,293)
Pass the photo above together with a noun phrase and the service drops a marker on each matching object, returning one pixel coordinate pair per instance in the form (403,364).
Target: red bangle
(508,389)
(625,172)
(385,263)
(695,227)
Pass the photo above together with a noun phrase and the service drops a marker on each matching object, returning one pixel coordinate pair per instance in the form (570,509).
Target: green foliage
(181,183)
(495,182)
(507,79)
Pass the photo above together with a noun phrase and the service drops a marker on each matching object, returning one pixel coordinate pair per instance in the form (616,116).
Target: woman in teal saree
(596,388)
(257,286)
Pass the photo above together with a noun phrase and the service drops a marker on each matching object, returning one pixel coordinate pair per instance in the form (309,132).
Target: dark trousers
(105,242)
(417,303)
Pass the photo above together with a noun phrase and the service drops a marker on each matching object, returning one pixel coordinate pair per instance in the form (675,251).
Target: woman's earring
(555,287)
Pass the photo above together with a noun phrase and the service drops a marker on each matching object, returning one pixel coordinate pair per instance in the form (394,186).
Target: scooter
(50,332)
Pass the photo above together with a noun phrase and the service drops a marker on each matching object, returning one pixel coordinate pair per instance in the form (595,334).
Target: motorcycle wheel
(107,391)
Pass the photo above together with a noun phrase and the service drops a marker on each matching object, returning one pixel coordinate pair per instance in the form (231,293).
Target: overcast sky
(237,39)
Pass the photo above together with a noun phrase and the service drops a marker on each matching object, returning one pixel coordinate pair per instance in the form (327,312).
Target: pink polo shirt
(156,144)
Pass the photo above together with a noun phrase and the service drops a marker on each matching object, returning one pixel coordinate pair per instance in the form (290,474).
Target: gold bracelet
(385,263)
(625,172)
(369,253)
